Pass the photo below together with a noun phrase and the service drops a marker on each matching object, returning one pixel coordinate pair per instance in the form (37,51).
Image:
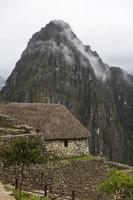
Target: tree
(118,183)
(23,152)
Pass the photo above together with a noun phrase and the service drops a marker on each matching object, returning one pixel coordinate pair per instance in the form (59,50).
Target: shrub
(118,182)
(23,152)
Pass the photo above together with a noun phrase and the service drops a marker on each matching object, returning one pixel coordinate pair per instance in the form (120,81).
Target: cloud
(105,25)
(101,70)
(48,47)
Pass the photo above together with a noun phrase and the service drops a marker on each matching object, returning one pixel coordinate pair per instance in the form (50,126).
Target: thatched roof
(54,120)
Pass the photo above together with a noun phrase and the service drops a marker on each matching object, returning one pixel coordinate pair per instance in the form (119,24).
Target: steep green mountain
(56,67)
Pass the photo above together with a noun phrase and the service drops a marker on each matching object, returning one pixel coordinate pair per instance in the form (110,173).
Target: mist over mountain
(2,81)
(56,67)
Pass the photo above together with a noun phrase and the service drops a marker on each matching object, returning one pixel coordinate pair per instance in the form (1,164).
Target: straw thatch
(54,120)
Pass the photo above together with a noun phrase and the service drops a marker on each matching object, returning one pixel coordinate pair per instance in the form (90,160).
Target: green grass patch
(27,196)
(81,157)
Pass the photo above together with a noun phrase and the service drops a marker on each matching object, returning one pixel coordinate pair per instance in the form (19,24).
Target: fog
(106,26)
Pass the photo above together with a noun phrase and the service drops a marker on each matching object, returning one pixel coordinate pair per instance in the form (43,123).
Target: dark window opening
(66,143)
(37,130)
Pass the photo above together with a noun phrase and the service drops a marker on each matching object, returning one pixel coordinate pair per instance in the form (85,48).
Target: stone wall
(73,147)
(54,147)
(62,177)
(83,176)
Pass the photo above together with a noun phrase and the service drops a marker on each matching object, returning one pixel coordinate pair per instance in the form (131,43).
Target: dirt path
(4,194)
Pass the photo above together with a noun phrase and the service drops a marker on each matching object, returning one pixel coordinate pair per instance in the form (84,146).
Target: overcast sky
(106,25)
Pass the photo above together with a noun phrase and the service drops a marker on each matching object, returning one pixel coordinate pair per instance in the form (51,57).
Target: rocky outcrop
(56,67)
(122,85)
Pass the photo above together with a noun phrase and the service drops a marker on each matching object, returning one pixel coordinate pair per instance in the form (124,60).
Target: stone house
(64,135)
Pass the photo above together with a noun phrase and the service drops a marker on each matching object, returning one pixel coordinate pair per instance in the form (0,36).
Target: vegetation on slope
(22,152)
(71,158)
(118,183)
(28,196)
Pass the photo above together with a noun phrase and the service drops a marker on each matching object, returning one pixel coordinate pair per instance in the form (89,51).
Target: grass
(83,157)
(80,158)
(27,196)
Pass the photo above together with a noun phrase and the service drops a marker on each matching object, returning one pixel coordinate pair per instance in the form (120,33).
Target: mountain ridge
(56,67)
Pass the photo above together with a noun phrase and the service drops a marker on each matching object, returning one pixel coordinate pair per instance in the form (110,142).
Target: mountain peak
(54,30)
(57,38)
(57,26)
(59,23)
